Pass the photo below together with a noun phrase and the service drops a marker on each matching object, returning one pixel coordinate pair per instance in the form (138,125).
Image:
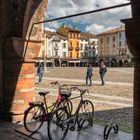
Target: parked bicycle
(83,117)
(38,112)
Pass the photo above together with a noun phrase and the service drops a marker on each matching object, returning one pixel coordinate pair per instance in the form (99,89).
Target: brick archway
(16,69)
(18,46)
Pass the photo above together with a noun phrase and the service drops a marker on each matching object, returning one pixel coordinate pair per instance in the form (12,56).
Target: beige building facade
(113,49)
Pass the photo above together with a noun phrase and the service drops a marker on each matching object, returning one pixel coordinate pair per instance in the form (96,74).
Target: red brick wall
(19,76)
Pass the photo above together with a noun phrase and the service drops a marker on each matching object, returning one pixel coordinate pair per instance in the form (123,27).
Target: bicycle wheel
(32,121)
(68,105)
(85,114)
(57,125)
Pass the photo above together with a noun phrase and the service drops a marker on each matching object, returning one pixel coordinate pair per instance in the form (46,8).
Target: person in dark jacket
(102,71)
(89,75)
(40,71)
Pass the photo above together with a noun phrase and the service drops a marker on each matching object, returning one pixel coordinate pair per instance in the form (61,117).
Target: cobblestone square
(113,102)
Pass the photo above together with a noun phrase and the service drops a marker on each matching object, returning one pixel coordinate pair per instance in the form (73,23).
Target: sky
(94,23)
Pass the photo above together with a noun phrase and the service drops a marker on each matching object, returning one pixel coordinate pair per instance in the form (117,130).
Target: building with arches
(113,49)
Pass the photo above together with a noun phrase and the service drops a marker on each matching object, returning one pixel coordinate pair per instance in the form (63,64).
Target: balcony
(56,48)
(77,48)
(70,48)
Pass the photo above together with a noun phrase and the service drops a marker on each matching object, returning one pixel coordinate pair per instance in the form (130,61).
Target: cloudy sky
(95,22)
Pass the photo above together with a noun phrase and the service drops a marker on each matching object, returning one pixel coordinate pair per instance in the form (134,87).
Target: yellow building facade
(73,36)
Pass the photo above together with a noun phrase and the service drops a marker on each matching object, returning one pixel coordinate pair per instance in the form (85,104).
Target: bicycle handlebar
(56,83)
(82,91)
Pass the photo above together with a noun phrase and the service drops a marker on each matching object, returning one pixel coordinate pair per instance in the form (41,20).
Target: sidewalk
(7,132)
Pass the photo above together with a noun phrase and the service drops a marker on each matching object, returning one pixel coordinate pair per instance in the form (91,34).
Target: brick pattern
(19,74)
(19,86)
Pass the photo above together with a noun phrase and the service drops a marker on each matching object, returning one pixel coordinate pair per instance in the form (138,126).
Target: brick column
(133,39)
(19,88)
(19,77)
(18,46)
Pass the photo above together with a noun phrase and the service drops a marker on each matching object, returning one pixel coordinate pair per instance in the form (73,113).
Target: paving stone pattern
(115,103)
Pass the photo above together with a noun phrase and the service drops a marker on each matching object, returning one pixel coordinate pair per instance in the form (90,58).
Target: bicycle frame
(74,116)
(53,106)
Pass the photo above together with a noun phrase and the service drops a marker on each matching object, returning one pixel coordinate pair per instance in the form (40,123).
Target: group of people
(90,73)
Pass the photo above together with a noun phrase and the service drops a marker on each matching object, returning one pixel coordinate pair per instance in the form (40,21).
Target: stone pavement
(112,102)
(124,75)
(83,81)
(7,132)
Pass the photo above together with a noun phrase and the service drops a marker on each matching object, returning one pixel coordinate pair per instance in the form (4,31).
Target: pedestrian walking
(89,75)
(40,72)
(102,71)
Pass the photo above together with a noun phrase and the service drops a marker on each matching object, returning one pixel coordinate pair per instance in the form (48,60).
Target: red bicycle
(38,112)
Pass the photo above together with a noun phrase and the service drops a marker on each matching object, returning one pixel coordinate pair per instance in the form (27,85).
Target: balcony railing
(77,48)
(70,48)
(56,48)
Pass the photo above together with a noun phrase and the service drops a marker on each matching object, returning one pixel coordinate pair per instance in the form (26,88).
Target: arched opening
(7,43)
(57,62)
(108,62)
(126,63)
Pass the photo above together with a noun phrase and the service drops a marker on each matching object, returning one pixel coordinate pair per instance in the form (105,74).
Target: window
(49,53)
(86,54)
(93,53)
(86,47)
(77,55)
(73,36)
(56,53)
(81,54)
(64,45)
(70,35)
(114,39)
(77,36)
(120,35)
(71,54)
(81,46)
(77,45)
(64,54)
(119,52)
(56,45)
(89,54)
(89,47)
(125,51)
(108,40)
(120,43)
(113,45)
(70,44)
(102,40)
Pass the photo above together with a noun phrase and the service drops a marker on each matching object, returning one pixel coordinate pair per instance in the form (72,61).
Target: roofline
(112,31)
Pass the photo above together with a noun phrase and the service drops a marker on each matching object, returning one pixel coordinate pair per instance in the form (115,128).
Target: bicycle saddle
(66,94)
(43,93)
